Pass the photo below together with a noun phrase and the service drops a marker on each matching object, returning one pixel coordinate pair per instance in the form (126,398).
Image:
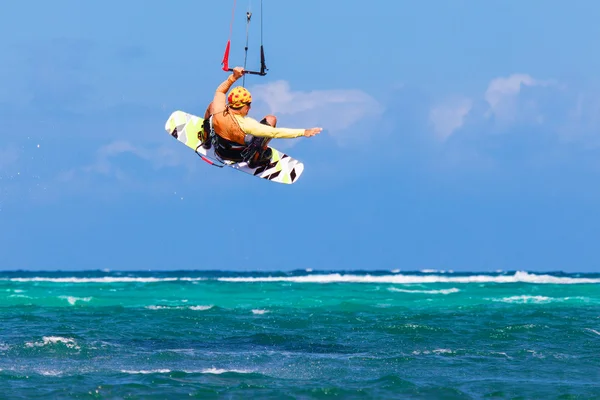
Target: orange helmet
(239,97)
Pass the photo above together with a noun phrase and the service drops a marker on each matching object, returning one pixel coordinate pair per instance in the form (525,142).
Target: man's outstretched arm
(255,128)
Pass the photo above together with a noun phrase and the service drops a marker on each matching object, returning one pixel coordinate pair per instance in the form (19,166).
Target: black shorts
(229,150)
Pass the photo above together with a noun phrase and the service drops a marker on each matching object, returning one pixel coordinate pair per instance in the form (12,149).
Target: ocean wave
(73,300)
(145,372)
(426,276)
(200,308)
(195,308)
(154,307)
(54,340)
(441,291)
(50,372)
(435,271)
(525,299)
(213,370)
(104,279)
(518,277)
(593,331)
(435,351)
(223,371)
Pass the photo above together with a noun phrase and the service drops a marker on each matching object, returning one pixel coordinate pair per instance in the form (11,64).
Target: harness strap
(228,150)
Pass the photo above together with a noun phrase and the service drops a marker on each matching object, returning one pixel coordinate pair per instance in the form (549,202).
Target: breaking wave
(395,277)
(518,277)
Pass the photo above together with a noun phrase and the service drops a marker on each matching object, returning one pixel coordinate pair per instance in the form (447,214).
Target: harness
(228,150)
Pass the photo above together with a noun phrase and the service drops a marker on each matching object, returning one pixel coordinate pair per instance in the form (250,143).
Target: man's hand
(312,132)
(238,72)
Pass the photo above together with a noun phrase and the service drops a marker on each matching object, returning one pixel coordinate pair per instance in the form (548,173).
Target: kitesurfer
(236,136)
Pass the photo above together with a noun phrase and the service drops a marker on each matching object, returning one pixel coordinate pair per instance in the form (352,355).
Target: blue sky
(457,135)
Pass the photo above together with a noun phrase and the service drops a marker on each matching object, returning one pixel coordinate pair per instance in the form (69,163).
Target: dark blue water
(219,334)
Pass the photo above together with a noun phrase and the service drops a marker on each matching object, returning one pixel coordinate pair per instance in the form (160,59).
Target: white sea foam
(519,327)
(166,371)
(536,299)
(53,340)
(200,308)
(223,371)
(435,351)
(105,279)
(434,271)
(150,371)
(520,276)
(395,278)
(259,312)
(50,372)
(525,299)
(72,300)
(192,279)
(195,308)
(593,331)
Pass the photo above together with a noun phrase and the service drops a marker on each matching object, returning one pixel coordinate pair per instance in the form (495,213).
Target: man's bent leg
(269,120)
(263,152)
(266,152)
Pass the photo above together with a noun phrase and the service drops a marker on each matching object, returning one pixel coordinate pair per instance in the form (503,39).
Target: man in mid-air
(238,137)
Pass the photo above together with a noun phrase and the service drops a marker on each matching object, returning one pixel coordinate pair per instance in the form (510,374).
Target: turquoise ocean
(299,335)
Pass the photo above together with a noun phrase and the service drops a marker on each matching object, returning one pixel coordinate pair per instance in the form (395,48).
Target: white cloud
(336,111)
(162,156)
(520,119)
(503,92)
(104,164)
(449,116)
(121,166)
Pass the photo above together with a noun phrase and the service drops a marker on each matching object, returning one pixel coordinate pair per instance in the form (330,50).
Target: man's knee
(269,120)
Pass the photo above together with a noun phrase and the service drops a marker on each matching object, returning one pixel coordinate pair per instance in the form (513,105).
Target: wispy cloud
(121,167)
(337,111)
(107,162)
(113,163)
(449,116)
(159,157)
(519,120)
(512,101)
(502,95)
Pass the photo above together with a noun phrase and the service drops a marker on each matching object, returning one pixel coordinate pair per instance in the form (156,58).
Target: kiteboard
(188,129)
